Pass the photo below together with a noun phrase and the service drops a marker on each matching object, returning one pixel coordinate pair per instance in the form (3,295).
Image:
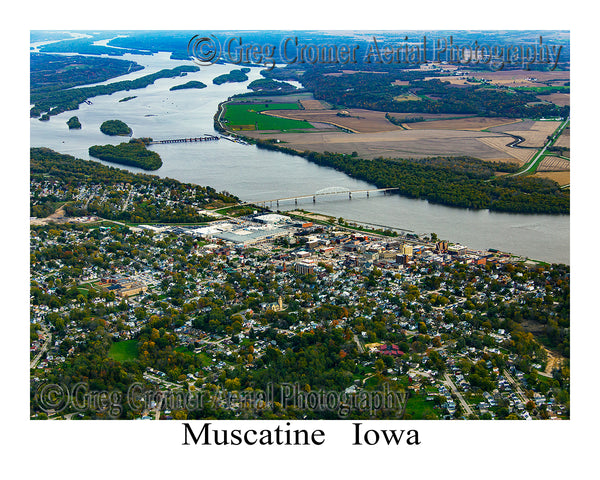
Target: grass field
(408,97)
(420,409)
(248,115)
(123,351)
(204,358)
(554,89)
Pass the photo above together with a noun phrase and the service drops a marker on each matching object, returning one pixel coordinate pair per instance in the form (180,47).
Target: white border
(449,449)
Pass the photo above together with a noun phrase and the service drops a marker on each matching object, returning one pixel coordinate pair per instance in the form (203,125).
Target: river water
(254,174)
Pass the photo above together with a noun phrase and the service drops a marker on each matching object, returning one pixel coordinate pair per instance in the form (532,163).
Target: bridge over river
(203,138)
(320,193)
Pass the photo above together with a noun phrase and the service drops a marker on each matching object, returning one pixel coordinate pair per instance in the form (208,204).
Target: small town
(253,298)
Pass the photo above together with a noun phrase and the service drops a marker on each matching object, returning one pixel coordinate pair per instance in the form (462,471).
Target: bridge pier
(296,201)
(367,194)
(314,199)
(278,203)
(349,195)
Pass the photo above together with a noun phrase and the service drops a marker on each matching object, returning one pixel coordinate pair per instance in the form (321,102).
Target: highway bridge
(323,192)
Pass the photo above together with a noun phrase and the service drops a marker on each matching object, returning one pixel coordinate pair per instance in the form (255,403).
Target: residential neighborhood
(243,302)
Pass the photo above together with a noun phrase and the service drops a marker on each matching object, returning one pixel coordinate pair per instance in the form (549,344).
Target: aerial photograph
(297,225)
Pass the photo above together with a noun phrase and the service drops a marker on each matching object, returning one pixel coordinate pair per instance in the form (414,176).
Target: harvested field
(562,178)
(359,120)
(522,78)
(521,155)
(557,98)
(538,133)
(311,104)
(564,140)
(429,116)
(554,164)
(452,80)
(470,123)
(362,121)
(514,127)
(401,83)
(402,144)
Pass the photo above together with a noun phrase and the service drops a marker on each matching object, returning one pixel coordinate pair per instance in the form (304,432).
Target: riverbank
(262,174)
(462,182)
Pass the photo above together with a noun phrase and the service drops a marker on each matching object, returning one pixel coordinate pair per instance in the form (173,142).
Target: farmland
(524,78)
(469,123)
(402,143)
(564,141)
(562,178)
(372,134)
(309,104)
(533,132)
(557,98)
(249,117)
(355,119)
(554,164)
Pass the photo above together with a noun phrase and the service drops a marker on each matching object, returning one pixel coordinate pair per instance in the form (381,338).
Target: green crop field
(123,351)
(248,115)
(553,89)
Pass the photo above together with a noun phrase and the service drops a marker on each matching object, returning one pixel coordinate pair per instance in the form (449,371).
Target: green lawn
(248,115)
(418,408)
(123,351)
(204,358)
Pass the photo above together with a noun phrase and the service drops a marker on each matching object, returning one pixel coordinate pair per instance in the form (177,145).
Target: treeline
(133,153)
(60,100)
(400,121)
(458,181)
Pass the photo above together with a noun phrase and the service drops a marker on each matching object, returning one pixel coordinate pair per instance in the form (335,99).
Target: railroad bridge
(203,138)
